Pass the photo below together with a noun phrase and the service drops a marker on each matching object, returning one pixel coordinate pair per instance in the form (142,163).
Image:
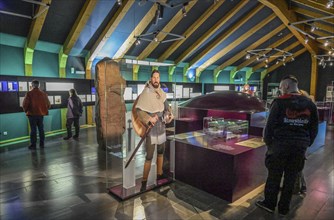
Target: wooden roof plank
(106,33)
(168,28)
(212,9)
(33,35)
(210,32)
(139,29)
(241,54)
(236,42)
(225,35)
(315,5)
(280,8)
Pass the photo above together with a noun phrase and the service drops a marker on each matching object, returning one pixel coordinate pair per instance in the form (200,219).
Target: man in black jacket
(291,127)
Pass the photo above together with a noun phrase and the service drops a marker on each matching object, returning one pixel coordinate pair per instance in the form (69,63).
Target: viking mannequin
(153,110)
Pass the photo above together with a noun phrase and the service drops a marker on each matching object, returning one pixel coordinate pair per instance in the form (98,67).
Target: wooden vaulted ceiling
(217,32)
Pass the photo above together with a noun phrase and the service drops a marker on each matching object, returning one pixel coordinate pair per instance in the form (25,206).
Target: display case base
(122,193)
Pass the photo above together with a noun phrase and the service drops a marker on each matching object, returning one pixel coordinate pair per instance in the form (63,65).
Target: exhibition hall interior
(175,95)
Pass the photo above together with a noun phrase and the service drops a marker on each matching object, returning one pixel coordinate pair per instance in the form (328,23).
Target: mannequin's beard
(155,85)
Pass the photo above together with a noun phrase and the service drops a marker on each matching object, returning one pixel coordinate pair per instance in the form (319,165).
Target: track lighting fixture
(313,28)
(270,54)
(153,37)
(161,6)
(325,59)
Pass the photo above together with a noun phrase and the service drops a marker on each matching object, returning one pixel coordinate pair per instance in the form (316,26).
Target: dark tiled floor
(67,180)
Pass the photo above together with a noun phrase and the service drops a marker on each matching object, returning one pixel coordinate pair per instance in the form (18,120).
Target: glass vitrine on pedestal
(125,156)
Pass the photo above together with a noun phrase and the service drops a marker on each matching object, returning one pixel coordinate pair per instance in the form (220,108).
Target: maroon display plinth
(219,167)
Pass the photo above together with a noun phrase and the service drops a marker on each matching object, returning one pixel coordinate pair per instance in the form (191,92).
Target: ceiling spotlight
(137,41)
(119,2)
(184,11)
(266,66)
(330,3)
(306,39)
(142,2)
(326,43)
(247,56)
(313,28)
(160,11)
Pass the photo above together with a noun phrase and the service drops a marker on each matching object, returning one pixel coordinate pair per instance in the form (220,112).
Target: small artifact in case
(213,126)
(225,128)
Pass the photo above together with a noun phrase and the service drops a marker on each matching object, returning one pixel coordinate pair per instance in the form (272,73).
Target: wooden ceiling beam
(280,8)
(212,9)
(224,36)
(315,5)
(236,42)
(138,30)
(168,28)
(326,24)
(33,35)
(288,48)
(108,30)
(210,32)
(79,25)
(74,34)
(242,54)
(253,58)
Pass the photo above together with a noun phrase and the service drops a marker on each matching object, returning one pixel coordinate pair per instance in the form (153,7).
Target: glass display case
(225,128)
(116,134)
(210,113)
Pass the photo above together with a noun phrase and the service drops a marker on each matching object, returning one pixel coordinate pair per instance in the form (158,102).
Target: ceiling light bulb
(306,40)
(326,43)
(137,41)
(257,58)
(184,12)
(266,66)
(248,56)
(331,63)
(119,2)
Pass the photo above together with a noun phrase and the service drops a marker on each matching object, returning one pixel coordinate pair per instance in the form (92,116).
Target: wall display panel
(13,86)
(51,99)
(23,86)
(56,88)
(58,100)
(128,93)
(88,98)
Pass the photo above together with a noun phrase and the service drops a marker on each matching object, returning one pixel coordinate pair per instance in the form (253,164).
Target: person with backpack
(74,111)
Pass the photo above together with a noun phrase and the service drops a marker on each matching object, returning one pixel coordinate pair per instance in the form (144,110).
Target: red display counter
(227,169)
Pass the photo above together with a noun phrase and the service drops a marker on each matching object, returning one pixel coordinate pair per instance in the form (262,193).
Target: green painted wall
(11,61)
(16,125)
(45,64)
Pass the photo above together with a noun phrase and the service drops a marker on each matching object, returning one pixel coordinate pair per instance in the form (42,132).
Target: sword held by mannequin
(151,124)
